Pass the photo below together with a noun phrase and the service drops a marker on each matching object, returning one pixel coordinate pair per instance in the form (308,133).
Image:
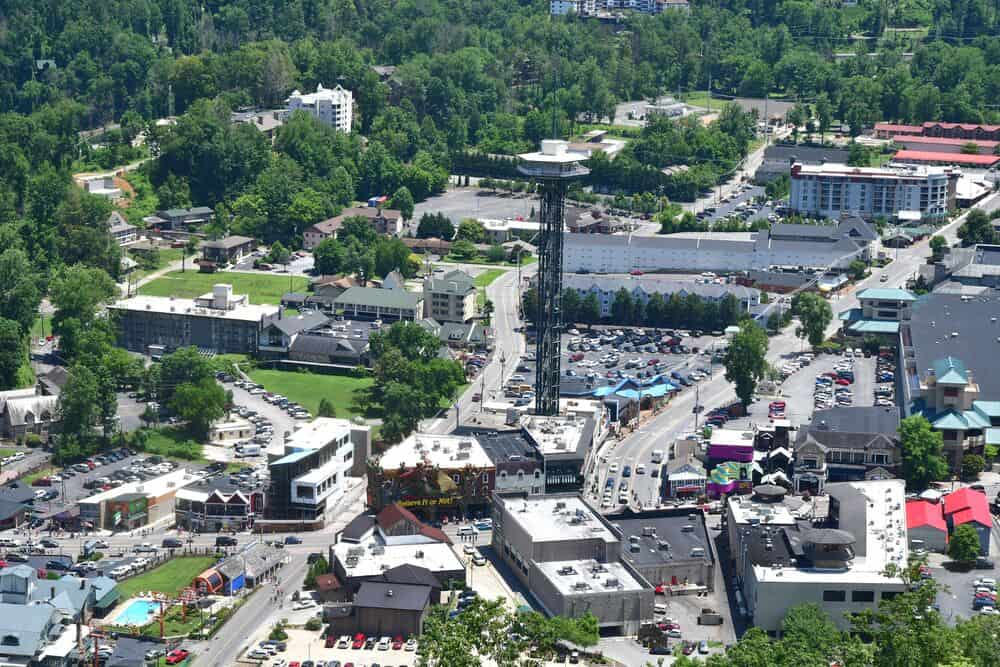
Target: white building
(782,562)
(820,246)
(642,288)
(447,452)
(333,106)
(325,483)
(832,190)
(501,231)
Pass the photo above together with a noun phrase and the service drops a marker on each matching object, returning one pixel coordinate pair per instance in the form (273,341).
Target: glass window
(862,596)
(834,596)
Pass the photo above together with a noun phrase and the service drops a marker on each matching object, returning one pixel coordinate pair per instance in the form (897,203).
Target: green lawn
(31,477)
(172,443)
(170,578)
(42,326)
(262,288)
(308,388)
(488,276)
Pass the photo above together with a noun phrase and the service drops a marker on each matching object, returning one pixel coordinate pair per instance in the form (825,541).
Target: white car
(384,643)
(469,549)
(613,468)
(479,559)
(258,654)
(304,604)
(411,645)
(344,641)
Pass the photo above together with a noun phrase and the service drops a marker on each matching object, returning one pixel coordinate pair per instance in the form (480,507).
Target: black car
(172,543)
(49,543)
(57,565)
(225,541)
(293,539)
(14,557)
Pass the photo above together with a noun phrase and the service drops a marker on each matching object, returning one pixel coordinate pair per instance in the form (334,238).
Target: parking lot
(740,205)
(799,388)
(281,422)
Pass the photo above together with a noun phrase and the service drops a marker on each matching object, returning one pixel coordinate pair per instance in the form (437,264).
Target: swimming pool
(139,612)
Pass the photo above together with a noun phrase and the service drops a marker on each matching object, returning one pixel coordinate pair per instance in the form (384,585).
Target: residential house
(279,331)
(180,218)
(120,230)
(384,221)
(26,411)
(225,251)
(449,296)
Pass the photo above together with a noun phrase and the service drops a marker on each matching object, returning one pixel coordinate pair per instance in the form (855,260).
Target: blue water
(139,612)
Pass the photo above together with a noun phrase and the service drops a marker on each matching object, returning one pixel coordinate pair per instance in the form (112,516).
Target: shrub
(313,624)
(33,440)
(278,633)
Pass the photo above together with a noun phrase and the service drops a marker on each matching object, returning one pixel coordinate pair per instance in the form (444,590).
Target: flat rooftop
(496,224)
(586,577)
(662,537)
(731,437)
(168,305)
(150,488)
(374,558)
(559,435)
(962,326)
(556,518)
(445,451)
(747,511)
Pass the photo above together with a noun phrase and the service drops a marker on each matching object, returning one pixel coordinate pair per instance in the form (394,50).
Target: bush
(94,556)
(314,624)
(33,440)
(278,633)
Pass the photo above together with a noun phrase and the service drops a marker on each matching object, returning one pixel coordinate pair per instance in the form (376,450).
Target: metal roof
(886,294)
(874,327)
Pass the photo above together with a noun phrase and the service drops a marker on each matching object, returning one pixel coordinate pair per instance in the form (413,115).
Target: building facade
(449,296)
(384,221)
(606,287)
(332,106)
(833,190)
(220,322)
(372,303)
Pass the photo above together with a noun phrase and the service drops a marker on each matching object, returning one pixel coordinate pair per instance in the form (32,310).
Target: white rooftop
(164,304)
(586,577)
(449,452)
(151,488)
(374,557)
(746,511)
(732,437)
(556,518)
(916,171)
(333,94)
(496,224)
(554,435)
(318,433)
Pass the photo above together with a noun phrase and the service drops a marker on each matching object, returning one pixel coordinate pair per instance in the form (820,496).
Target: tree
(402,200)
(815,314)
(463,249)
(824,114)
(328,257)
(13,352)
(964,546)
(470,230)
(435,225)
(278,254)
(972,466)
(78,405)
(857,269)
(325,408)
(496,254)
(976,229)
(184,366)
(922,447)
(590,309)
(745,363)
(623,307)
(199,404)
(938,246)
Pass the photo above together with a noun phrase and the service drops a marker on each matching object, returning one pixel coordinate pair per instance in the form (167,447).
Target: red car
(397,643)
(331,641)
(635,272)
(659,589)
(844,382)
(177,656)
(359,641)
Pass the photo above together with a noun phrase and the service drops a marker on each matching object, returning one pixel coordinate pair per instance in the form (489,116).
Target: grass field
(170,578)
(172,443)
(488,276)
(308,388)
(262,288)
(31,477)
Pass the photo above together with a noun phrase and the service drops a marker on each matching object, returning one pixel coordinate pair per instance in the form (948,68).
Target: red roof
(967,505)
(394,513)
(922,513)
(951,141)
(947,158)
(963,126)
(901,129)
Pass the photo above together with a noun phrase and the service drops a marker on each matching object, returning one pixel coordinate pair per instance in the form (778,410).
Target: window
(880,458)
(834,596)
(950,435)
(10,640)
(951,392)
(862,596)
(888,595)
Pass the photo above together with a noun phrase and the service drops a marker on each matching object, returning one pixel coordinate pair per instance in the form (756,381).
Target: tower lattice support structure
(548,321)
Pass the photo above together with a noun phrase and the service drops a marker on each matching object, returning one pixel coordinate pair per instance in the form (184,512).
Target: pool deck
(124,606)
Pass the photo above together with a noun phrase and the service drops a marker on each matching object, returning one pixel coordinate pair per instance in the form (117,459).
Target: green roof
(850,315)
(874,327)
(993,436)
(950,371)
(886,294)
(989,408)
(382,298)
(951,421)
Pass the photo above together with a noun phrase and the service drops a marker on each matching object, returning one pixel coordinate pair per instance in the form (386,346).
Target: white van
(657,456)
(659,608)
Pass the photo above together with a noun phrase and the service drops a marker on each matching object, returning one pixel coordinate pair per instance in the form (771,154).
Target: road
(508,347)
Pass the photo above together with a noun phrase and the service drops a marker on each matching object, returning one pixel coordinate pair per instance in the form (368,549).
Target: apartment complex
(309,475)
(602,8)
(220,322)
(833,190)
(332,106)
(382,220)
(449,296)
(963,131)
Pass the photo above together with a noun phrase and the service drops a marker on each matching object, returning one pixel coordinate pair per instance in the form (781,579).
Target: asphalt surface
(471,202)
